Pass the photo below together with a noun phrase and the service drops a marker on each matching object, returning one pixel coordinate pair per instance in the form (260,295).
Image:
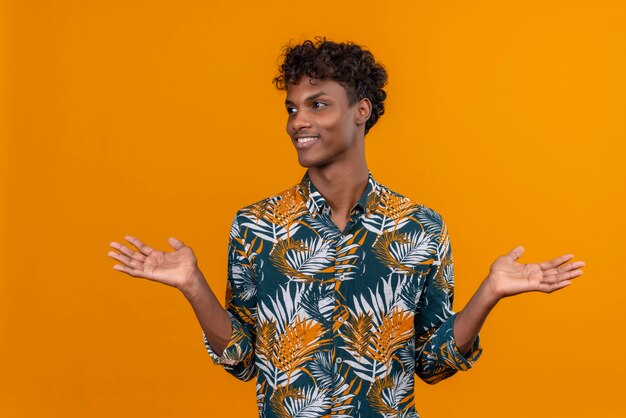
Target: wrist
(490,292)
(193,284)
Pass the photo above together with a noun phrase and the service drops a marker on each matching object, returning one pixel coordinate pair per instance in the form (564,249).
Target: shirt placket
(340,311)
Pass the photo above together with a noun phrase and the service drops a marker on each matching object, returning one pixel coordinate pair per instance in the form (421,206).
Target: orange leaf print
(297,345)
(396,328)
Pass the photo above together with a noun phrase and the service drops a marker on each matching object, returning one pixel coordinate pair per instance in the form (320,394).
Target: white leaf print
(269,231)
(430,220)
(317,256)
(314,404)
(244,281)
(419,248)
(284,308)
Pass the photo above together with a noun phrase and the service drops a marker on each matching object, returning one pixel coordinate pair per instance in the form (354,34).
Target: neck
(341,186)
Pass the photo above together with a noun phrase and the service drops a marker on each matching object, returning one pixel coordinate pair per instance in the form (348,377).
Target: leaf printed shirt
(337,322)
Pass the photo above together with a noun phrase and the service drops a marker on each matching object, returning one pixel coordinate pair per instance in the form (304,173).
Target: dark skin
(329,136)
(335,159)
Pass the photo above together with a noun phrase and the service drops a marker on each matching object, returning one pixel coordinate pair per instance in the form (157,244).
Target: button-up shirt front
(337,322)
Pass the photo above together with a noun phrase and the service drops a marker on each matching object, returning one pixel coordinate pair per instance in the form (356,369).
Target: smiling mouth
(305,142)
(305,139)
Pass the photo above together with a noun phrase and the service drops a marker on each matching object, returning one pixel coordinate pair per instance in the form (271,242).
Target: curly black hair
(351,65)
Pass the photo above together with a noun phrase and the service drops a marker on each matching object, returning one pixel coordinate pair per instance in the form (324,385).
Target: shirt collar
(316,203)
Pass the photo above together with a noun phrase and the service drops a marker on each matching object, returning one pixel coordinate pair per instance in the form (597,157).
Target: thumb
(516,252)
(176,244)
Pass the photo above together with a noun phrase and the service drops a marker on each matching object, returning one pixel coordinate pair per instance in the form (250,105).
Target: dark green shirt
(337,322)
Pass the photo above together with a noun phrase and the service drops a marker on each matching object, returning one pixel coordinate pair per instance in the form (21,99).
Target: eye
(291,111)
(319,105)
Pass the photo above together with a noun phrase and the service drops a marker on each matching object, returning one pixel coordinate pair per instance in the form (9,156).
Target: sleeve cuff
(451,353)
(233,352)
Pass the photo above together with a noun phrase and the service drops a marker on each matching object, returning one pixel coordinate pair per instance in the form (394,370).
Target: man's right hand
(178,268)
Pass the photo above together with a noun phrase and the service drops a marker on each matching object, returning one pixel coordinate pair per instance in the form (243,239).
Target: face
(322,125)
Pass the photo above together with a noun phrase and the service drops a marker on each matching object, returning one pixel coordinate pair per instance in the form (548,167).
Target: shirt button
(340,319)
(339,360)
(342,277)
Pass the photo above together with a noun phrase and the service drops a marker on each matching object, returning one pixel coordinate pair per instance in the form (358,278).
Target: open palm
(172,268)
(508,277)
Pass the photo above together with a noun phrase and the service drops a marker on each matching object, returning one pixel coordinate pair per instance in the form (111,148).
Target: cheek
(345,125)
(335,122)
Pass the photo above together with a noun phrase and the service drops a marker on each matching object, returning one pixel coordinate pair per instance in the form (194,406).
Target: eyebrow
(308,99)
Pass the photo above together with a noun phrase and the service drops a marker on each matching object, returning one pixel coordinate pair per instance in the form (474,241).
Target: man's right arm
(214,319)
(229,333)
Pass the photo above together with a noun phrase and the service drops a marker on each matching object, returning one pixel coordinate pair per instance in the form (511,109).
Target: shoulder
(285,201)
(396,204)
(293,192)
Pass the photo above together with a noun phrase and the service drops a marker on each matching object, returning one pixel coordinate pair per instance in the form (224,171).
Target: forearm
(469,321)
(213,318)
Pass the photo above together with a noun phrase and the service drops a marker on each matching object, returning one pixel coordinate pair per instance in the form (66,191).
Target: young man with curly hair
(339,289)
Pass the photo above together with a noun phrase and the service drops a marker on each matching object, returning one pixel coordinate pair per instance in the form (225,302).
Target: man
(339,289)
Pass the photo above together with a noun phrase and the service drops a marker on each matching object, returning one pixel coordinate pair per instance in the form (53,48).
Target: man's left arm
(507,278)
(437,356)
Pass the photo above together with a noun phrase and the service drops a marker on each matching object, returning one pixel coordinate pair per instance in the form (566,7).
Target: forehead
(307,87)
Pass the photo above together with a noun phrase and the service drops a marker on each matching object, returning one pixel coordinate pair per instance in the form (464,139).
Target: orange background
(158,119)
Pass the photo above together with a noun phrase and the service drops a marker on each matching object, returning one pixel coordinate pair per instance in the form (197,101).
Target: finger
(570,266)
(122,248)
(128,270)
(143,248)
(568,275)
(556,278)
(549,288)
(175,244)
(556,262)
(564,269)
(127,251)
(128,261)
(516,252)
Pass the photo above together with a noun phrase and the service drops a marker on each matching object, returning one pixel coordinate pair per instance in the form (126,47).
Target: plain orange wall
(157,119)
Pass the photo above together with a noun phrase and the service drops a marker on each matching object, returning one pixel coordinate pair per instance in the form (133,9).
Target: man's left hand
(507,277)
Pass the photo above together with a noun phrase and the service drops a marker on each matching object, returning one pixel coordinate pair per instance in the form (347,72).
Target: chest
(319,264)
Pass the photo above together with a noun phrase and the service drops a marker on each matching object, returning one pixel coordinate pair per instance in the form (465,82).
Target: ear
(363,111)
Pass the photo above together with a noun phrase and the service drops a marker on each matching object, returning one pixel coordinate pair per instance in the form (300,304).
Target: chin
(311,163)
(319,159)
(306,162)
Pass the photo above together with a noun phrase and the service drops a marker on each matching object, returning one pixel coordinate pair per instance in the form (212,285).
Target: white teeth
(307,139)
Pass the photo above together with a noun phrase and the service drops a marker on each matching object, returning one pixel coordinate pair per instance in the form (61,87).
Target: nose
(300,121)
